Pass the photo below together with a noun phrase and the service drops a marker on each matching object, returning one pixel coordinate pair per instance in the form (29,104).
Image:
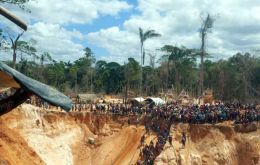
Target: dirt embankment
(29,135)
(212,144)
(33,136)
(14,149)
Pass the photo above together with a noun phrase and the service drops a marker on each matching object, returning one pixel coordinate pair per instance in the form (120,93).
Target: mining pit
(31,135)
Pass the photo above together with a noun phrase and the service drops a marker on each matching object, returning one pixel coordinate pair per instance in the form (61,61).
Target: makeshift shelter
(184,98)
(100,100)
(139,99)
(24,87)
(136,101)
(114,101)
(208,96)
(87,98)
(154,101)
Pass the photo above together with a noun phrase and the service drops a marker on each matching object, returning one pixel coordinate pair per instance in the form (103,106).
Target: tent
(139,99)
(25,87)
(155,100)
(136,101)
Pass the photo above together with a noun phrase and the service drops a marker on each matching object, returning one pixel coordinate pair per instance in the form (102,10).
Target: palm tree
(143,37)
(206,26)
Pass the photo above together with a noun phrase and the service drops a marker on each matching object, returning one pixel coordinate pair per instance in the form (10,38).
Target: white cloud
(56,40)
(70,11)
(237,27)
(47,18)
(119,44)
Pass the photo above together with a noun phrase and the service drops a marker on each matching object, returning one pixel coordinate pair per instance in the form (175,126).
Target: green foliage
(143,37)
(235,78)
(25,48)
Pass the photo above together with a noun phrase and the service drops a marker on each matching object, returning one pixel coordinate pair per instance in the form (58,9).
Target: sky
(110,27)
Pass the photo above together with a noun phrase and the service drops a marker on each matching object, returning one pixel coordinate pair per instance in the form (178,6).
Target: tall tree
(44,57)
(26,48)
(178,57)
(113,77)
(152,60)
(84,75)
(14,43)
(206,26)
(132,73)
(100,68)
(143,37)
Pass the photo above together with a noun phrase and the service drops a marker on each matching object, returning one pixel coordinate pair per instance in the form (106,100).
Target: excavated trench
(29,135)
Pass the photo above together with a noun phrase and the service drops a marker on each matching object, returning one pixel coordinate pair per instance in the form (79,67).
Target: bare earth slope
(212,144)
(14,149)
(49,137)
(29,135)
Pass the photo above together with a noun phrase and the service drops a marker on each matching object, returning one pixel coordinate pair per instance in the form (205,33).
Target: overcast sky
(110,27)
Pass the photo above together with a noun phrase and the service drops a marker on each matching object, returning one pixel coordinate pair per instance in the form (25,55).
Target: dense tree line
(235,78)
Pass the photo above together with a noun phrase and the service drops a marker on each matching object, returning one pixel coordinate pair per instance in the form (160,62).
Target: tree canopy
(234,78)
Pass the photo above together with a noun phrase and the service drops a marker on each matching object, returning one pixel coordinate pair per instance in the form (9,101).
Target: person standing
(183,139)
(170,139)
(142,140)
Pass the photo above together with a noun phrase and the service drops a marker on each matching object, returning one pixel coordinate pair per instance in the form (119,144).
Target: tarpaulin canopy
(136,101)
(139,99)
(27,86)
(155,100)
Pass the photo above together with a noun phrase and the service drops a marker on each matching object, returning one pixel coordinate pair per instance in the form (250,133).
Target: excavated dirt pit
(29,135)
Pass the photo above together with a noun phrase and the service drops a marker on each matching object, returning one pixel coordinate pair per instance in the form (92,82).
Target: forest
(238,77)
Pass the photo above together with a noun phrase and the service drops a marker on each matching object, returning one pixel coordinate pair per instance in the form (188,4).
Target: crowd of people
(162,117)
(207,113)
(194,114)
(150,151)
(175,112)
